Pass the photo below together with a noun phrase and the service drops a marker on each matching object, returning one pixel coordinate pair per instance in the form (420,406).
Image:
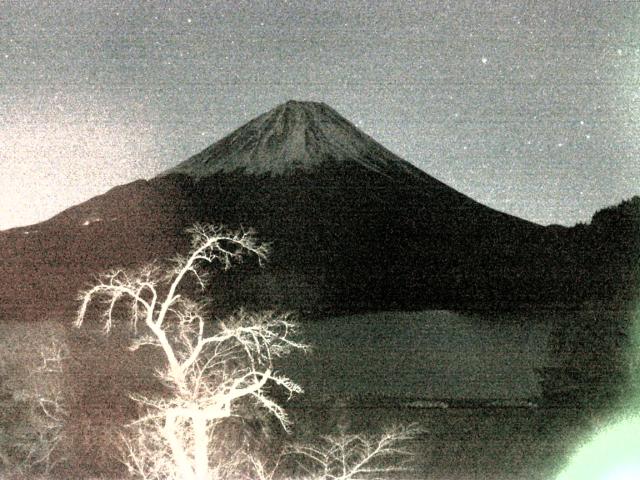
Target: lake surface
(432,354)
(465,443)
(429,354)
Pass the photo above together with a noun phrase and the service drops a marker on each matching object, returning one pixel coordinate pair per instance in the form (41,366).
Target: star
(485,60)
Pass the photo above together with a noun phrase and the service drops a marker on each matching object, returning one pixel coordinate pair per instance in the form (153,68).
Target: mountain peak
(296,135)
(301,104)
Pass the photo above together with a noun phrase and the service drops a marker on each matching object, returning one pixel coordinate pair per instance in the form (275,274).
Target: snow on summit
(294,135)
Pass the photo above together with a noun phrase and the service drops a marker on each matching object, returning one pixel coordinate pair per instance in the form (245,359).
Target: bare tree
(357,456)
(49,407)
(33,404)
(210,370)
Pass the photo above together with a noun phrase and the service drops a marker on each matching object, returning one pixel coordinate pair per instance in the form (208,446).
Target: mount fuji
(352,228)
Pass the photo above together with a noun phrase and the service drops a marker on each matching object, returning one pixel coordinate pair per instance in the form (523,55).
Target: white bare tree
(49,406)
(357,456)
(33,406)
(210,369)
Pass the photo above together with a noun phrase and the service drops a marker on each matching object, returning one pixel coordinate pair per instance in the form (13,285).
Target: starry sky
(532,108)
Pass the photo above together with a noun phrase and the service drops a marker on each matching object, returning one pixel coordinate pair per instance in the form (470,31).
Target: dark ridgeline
(353,228)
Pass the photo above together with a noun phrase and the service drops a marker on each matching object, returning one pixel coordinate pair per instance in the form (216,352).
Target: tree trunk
(201,447)
(177,449)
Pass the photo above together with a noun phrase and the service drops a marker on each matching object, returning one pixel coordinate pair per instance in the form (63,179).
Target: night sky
(532,108)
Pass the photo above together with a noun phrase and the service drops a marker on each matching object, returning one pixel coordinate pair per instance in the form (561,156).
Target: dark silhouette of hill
(353,228)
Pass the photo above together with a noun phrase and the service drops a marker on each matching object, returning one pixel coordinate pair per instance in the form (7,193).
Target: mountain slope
(293,136)
(353,228)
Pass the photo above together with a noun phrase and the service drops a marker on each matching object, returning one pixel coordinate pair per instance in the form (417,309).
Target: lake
(428,354)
